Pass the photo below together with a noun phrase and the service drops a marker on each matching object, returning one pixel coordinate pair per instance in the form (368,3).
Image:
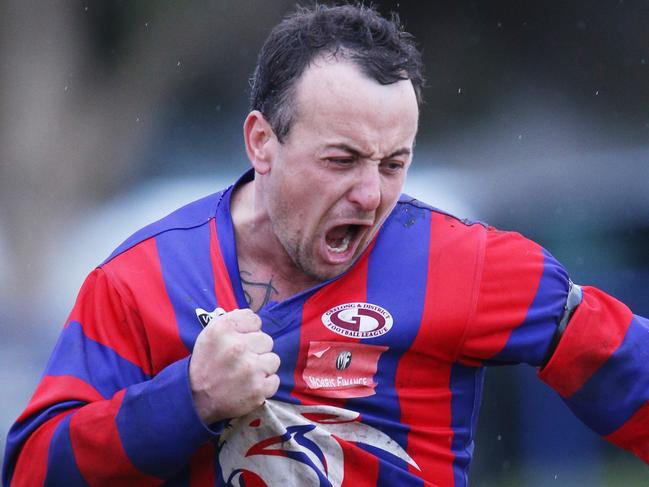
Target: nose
(366,191)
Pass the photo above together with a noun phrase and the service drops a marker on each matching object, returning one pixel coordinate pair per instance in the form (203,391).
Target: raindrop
(85,9)
(459,90)
(597,93)
(66,88)
(146,24)
(137,119)
(499,25)
(520,136)
(178,64)
(500,437)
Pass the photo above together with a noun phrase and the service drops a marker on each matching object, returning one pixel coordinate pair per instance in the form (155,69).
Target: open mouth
(340,238)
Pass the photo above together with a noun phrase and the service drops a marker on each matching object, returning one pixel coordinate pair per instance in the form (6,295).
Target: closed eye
(341,161)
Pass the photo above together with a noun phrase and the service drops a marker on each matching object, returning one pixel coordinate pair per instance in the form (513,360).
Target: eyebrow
(358,153)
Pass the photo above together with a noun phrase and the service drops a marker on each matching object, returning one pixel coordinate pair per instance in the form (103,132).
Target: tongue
(336,235)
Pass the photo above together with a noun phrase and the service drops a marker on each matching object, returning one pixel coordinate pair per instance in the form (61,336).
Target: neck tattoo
(257,293)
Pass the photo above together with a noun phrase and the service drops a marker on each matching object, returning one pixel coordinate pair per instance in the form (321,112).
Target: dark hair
(378,46)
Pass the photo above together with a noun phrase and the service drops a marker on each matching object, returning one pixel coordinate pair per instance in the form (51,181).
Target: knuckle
(276,361)
(240,314)
(220,325)
(274,385)
(235,349)
(246,370)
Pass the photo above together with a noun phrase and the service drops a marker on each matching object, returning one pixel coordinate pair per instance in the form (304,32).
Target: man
(310,325)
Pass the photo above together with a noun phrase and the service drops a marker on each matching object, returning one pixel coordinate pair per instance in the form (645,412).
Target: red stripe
(633,434)
(353,288)
(140,267)
(98,448)
(222,284)
(55,389)
(423,374)
(512,270)
(99,307)
(594,333)
(361,467)
(201,466)
(31,467)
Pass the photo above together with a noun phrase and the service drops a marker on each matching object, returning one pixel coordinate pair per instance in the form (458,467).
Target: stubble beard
(304,255)
(301,258)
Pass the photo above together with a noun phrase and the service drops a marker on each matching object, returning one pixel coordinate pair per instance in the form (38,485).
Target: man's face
(341,168)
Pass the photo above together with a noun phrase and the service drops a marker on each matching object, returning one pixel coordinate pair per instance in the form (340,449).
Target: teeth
(344,245)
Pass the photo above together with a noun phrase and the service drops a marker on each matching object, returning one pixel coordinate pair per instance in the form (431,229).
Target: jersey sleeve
(600,364)
(601,370)
(521,295)
(98,416)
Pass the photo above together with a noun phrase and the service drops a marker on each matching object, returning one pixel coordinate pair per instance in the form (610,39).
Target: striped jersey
(381,367)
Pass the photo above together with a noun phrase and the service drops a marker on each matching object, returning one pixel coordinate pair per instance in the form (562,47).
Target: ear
(259,138)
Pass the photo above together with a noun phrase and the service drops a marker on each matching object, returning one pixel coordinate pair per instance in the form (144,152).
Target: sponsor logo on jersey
(290,444)
(331,372)
(206,316)
(358,320)
(343,360)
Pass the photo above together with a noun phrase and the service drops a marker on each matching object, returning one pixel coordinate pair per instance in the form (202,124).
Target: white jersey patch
(286,444)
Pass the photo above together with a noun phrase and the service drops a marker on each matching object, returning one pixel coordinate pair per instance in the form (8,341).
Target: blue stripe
(79,356)
(62,468)
(530,341)
(158,425)
(188,277)
(620,386)
(396,281)
(466,389)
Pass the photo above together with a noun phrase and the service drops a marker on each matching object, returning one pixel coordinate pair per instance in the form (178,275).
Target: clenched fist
(232,369)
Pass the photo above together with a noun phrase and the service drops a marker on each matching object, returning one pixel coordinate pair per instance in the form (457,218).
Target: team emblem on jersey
(289,444)
(358,320)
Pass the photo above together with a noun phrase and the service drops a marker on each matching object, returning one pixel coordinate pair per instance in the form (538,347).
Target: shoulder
(176,245)
(193,215)
(415,216)
(454,237)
